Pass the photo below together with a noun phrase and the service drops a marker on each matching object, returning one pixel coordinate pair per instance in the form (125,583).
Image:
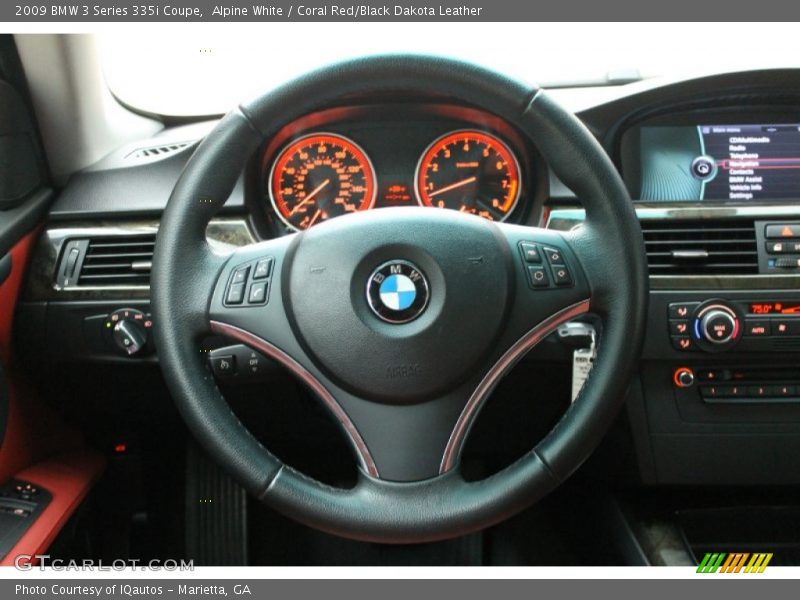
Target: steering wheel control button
(561,275)
(258,293)
(530,252)
(249,283)
(263,269)
(240,275)
(397,291)
(554,256)
(223,366)
(537,277)
(235,293)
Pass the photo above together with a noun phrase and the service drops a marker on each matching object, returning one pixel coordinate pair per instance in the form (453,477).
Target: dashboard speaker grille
(719,247)
(118,260)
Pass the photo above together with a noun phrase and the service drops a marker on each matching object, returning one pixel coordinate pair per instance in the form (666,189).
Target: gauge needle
(453,186)
(310,196)
(315,217)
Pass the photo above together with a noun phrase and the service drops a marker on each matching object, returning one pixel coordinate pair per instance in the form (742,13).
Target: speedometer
(318,177)
(470,171)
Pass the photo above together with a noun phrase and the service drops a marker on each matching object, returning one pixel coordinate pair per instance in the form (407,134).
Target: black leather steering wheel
(474,306)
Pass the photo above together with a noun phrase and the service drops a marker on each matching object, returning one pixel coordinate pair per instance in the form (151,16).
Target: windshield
(189,72)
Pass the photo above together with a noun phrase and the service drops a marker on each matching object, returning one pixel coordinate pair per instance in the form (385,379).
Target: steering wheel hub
(431,310)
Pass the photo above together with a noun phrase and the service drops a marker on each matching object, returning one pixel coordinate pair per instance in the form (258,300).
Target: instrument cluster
(346,160)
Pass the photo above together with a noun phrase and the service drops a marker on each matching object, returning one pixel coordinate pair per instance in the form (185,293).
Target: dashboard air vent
(157,150)
(702,247)
(117,260)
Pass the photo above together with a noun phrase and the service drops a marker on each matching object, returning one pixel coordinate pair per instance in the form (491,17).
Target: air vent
(157,150)
(718,247)
(117,261)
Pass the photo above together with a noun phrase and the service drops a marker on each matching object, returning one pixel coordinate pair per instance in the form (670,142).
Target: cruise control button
(235,294)
(223,366)
(682,310)
(553,255)
(682,343)
(530,252)
(756,327)
(561,275)
(240,275)
(783,230)
(263,269)
(537,277)
(258,293)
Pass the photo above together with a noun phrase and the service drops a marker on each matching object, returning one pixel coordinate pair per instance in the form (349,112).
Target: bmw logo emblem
(397,291)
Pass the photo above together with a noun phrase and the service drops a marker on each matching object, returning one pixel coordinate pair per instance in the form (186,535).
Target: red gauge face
(318,177)
(470,171)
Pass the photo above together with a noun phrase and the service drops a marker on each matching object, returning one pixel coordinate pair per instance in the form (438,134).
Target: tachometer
(470,171)
(318,177)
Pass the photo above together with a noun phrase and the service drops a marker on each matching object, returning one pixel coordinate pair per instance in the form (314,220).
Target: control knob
(719,325)
(129,330)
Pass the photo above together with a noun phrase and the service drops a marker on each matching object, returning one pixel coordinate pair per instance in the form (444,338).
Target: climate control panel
(719,325)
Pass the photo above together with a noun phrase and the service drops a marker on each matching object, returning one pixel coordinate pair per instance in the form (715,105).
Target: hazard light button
(783,230)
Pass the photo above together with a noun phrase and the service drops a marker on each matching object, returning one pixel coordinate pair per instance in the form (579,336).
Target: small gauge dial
(318,177)
(470,171)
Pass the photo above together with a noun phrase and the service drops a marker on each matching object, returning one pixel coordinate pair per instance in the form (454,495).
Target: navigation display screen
(720,162)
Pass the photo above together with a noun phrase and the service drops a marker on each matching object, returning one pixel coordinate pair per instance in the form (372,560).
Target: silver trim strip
(500,368)
(695,210)
(58,235)
(360,447)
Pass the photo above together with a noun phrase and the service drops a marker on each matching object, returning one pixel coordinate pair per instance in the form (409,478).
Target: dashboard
(712,166)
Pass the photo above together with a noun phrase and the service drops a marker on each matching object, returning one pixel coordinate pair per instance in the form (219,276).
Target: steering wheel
(400,320)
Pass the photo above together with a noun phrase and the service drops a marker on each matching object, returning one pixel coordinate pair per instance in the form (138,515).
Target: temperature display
(775,308)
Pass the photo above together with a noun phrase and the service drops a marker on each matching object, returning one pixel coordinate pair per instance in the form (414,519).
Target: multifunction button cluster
(249,283)
(241,363)
(710,326)
(717,325)
(720,385)
(783,245)
(545,265)
(746,385)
